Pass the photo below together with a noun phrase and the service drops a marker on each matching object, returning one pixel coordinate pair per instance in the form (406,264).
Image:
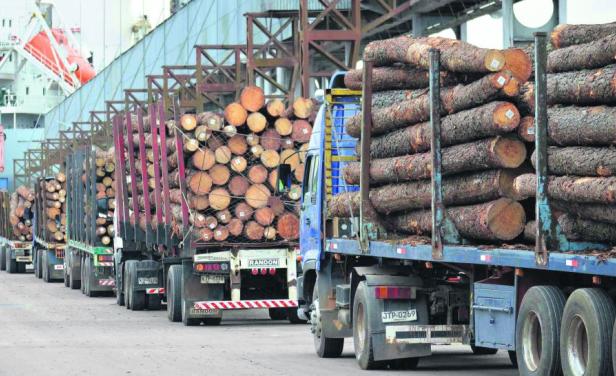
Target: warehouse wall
(17,142)
(199,22)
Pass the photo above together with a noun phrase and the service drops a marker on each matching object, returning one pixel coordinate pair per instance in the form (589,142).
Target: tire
(153,302)
(45,266)
(137,298)
(39,263)
(3,257)
(174,293)
(477,350)
(362,340)
(586,330)
(73,282)
(119,286)
(291,315)
(213,321)
(126,282)
(325,347)
(277,314)
(186,320)
(11,265)
(87,274)
(513,358)
(66,281)
(539,316)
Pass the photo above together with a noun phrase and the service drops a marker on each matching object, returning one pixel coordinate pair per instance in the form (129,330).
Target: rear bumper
(426,334)
(245,304)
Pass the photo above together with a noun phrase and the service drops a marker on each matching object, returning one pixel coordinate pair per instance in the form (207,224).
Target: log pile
(581,131)
(21,213)
(104,209)
(54,207)
(231,162)
(481,152)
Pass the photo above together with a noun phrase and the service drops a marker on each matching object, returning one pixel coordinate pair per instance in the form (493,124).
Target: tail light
(390,292)
(263,271)
(254,271)
(272,271)
(105,258)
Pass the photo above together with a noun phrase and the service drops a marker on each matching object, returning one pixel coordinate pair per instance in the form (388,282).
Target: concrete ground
(47,329)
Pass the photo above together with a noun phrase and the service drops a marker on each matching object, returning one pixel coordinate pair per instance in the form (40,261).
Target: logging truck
(541,291)
(90,204)
(192,230)
(49,243)
(16,230)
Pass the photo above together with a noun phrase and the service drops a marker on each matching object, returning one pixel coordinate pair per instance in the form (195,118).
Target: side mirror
(283,183)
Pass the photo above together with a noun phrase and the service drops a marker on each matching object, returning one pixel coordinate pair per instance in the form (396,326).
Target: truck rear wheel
(66,281)
(11,265)
(538,331)
(291,314)
(136,298)
(119,286)
(73,282)
(3,257)
(325,347)
(174,293)
(88,275)
(587,325)
(277,314)
(362,339)
(44,266)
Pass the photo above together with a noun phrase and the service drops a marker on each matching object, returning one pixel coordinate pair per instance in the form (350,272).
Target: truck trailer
(160,254)
(549,304)
(49,242)
(16,226)
(88,262)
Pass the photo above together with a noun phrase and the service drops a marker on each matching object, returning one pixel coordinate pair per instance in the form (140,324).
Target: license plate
(29,266)
(397,316)
(147,280)
(213,279)
(23,259)
(263,263)
(203,312)
(58,267)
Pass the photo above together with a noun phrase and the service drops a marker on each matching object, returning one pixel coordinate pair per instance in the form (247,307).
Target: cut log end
(518,63)
(506,219)
(526,129)
(506,115)
(235,114)
(494,61)
(252,98)
(511,152)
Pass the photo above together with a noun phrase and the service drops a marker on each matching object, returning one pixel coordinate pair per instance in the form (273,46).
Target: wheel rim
(531,341)
(577,345)
(360,333)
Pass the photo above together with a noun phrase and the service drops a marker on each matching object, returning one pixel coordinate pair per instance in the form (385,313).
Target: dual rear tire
(571,336)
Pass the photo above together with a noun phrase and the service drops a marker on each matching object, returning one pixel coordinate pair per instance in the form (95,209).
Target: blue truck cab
(397,298)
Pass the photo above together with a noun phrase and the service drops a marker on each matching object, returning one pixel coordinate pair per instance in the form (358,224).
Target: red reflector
(272,271)
(263,271)
(386,292)
(199,267)
(254,271)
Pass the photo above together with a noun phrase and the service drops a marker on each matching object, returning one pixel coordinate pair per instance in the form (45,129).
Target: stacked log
(581,132)
(104,162)
(481,151)
(21,213)
(53,192)
(231,162)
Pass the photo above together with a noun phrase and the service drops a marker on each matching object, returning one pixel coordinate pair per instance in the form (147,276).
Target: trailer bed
(595,263)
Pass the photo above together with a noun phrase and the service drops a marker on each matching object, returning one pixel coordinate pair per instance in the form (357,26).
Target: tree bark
(454,99)
(595,54)
(498,152)
(584,87)
(578,229)
(580,161)
(502,219)
(568,35)
(595,212)
(492,119)
(572,126)
(457,190)
(398,77)
(456,56)
(569,188)
(388,97)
